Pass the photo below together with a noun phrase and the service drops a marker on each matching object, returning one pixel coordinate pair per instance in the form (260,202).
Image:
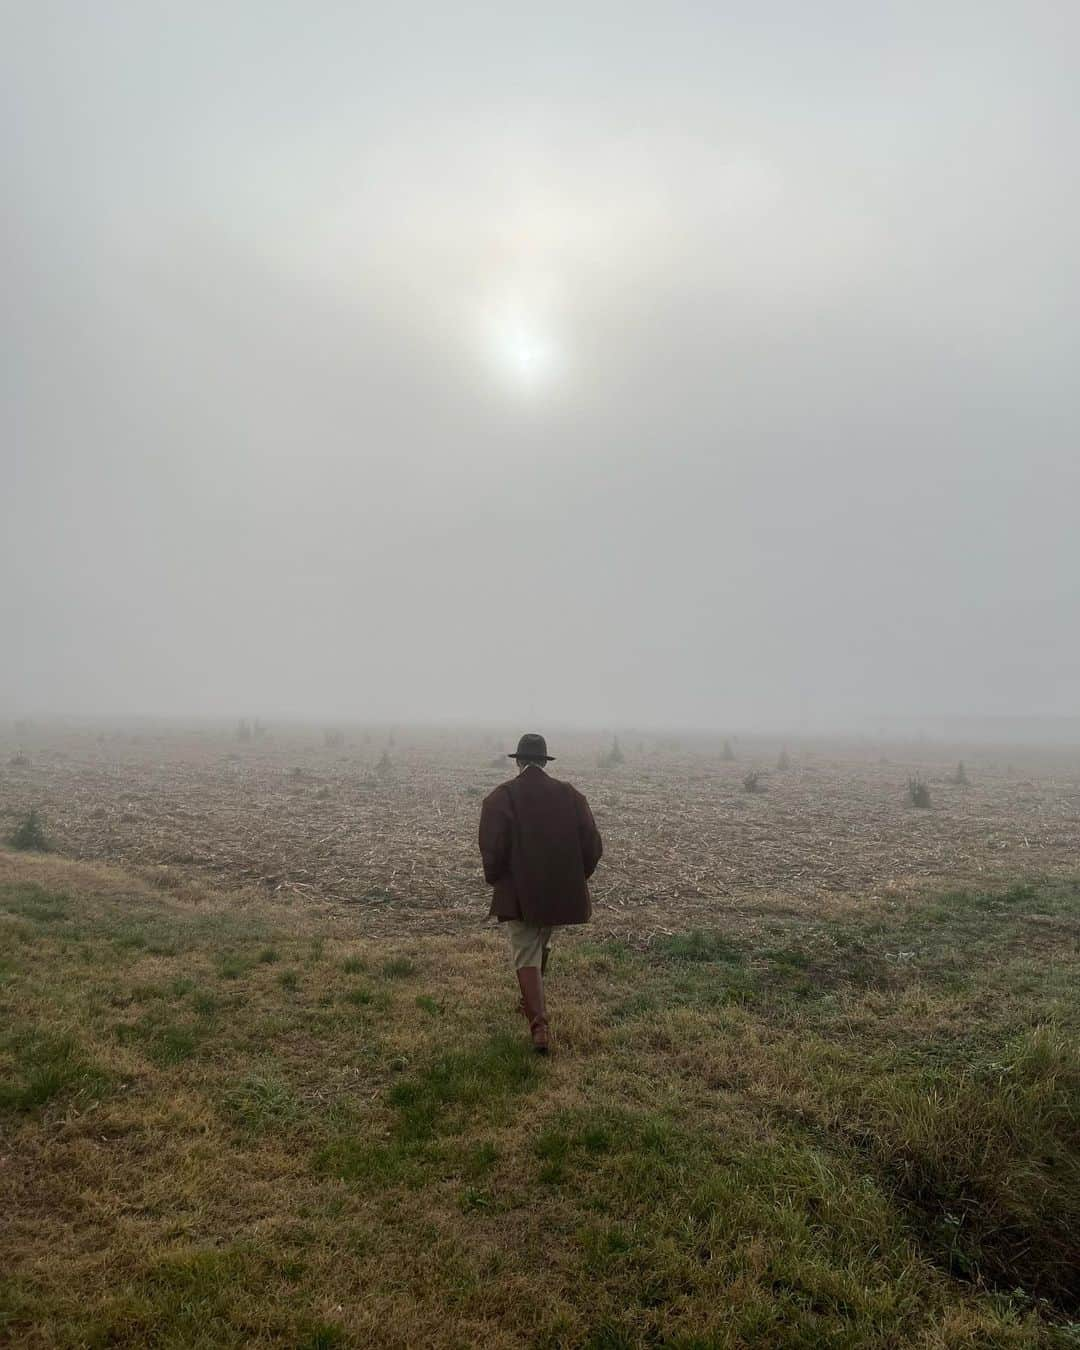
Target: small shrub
(352,965)
(752,782)
(230,966)
(289,979)
(258,1103)
(19,760)
(29,834)
(918,791)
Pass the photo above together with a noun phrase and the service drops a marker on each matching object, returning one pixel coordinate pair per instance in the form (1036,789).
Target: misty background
(596,363)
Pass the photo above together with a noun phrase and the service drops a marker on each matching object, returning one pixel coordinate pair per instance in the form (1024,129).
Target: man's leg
(547,936)
(526,943)
(527,949)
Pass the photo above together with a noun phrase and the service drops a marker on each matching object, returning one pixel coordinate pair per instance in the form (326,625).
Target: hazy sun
(520,343)
(527,355)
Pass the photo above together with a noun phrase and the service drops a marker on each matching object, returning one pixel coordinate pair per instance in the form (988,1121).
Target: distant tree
(918,791)
(19,760)
(333,738)
(385,766)
(611,759)
(727,753)
(258,730)
(243,731)
(960,778)
(784,762)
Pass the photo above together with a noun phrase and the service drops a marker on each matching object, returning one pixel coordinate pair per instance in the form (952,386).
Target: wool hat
(531,746)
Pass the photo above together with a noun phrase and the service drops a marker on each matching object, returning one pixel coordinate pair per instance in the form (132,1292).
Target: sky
(604,364)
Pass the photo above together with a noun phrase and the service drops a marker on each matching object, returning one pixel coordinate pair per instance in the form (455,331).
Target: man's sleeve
(495,838)
(592,846)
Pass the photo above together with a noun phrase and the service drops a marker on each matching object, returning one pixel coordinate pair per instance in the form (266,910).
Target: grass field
(229,1119)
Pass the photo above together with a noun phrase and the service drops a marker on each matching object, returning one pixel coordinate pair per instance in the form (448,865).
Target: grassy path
(226,1122)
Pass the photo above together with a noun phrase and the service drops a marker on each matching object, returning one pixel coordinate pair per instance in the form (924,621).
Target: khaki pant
(528,942)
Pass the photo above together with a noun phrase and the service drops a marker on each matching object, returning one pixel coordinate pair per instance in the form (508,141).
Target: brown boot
(544,954)
(532,997)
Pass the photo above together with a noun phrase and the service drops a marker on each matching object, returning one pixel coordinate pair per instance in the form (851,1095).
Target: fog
(680,364)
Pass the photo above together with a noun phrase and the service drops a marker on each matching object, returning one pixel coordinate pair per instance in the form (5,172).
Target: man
(540,845)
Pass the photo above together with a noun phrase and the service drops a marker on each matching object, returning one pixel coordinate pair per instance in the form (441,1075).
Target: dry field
(686,844)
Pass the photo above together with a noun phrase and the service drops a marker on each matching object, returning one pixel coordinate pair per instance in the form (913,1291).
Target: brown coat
(540,845)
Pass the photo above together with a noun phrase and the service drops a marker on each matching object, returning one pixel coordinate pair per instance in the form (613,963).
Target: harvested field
(385,823)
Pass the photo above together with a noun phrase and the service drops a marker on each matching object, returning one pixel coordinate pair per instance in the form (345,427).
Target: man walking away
(540,845)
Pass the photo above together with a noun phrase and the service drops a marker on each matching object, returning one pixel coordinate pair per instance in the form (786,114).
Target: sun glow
(520,337)
(526,355)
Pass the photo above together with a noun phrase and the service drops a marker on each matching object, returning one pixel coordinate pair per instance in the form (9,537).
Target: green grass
(363,997)
(464,1085)
(29,901)
(700,946)
(45,1066)
(399,968)
(860,1132)
(261,1101)
(987,1159)
(231,965)
(164,1041)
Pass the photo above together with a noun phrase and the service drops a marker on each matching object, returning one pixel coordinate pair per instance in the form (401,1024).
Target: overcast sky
(676,364)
